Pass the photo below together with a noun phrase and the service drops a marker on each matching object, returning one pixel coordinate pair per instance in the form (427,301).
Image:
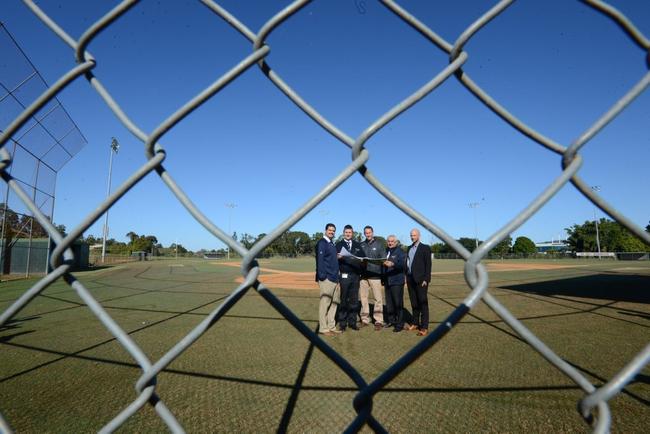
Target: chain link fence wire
(593,407)
(43,144)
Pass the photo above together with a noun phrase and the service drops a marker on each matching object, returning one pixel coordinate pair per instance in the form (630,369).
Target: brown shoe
(328,334)
(412,327)
(423,332)
(378,326)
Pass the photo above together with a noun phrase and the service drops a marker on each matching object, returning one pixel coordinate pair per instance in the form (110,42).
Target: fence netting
(594,404)
(43,144)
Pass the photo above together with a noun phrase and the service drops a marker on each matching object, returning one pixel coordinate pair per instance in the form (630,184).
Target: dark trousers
(419,302)
(395,305)
(350,305)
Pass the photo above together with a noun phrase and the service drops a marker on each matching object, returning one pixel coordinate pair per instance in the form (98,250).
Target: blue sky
(558,65)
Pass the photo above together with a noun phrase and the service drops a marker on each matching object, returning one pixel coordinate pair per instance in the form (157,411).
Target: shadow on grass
(13,324)
(641,378)
(614,287)
(295,391)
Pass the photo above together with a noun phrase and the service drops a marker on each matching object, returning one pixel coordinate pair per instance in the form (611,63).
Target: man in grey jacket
(371,280)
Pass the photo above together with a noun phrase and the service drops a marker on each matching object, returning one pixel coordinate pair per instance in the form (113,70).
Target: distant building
(552,246)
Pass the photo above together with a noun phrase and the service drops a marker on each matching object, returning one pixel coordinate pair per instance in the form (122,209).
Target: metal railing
(593,406)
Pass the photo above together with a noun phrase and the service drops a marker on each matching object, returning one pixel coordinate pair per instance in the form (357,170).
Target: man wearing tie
(327,276)
(349,278)
(418,276)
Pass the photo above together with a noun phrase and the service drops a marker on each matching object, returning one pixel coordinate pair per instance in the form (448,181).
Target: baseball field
(62,371)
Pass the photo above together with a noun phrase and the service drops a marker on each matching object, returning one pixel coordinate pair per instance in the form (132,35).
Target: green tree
(132,236)
(524,246)
(298,243)
(436,248)
(60,228)
(503,247)
(178,248)
(613,237)
(247,240)
(91,239)
(468,243)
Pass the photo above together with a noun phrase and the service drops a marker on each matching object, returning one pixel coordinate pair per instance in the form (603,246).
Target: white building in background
(552,246)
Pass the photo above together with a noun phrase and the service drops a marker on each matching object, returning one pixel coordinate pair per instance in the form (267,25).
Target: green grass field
(61,371)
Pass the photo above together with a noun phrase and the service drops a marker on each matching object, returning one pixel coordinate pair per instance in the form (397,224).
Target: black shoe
(354,327)
(388,325)
(396,330)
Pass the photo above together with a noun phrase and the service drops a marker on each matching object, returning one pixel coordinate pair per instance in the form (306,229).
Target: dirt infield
(305,280)
(280,278)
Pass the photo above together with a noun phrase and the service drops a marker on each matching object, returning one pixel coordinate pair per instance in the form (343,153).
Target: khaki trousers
(378,294)
(330,297)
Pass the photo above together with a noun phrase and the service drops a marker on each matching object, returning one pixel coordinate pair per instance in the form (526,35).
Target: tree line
(17,225)
(613,237)
(523,246)
(138,243)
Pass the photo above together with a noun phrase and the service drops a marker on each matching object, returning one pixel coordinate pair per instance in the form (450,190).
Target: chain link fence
(43,144)
(593,406)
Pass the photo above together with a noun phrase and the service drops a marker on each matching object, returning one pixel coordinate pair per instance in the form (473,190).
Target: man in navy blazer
(327,276)
(392,274)
(418,276)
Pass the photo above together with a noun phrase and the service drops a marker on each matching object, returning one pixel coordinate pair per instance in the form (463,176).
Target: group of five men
(345,281)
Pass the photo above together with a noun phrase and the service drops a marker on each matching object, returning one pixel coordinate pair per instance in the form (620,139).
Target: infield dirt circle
(273,278)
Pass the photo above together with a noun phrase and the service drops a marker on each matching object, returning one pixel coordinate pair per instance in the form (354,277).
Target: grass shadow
(614,287)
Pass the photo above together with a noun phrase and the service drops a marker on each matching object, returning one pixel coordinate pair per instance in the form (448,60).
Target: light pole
(115,146)
(475,205)
(231,206)
(323,212)
(596,188)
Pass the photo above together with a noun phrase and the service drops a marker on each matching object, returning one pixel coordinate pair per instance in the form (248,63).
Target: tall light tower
(115,146)
(231,206)
(323,212)
(475,205)
(596,188)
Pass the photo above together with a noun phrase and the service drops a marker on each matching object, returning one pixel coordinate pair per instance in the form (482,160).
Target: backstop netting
(44,143)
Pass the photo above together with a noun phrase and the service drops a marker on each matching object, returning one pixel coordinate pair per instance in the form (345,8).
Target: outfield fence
(593,406)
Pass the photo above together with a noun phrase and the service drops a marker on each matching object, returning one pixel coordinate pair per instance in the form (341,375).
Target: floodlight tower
(115,146)
(596,188)
(232,206)
(475,205)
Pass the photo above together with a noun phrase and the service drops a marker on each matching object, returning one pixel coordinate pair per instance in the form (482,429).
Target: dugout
(25,256)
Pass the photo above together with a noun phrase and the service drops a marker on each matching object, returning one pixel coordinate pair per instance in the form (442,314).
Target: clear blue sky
(558,65)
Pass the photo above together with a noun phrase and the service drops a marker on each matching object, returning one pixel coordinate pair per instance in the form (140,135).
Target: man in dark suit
(350,272)
(392,274)
(418,276)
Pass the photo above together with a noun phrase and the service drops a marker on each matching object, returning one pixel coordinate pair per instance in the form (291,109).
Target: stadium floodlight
(596,188)
(115,146)
(230,205)
(475,205)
